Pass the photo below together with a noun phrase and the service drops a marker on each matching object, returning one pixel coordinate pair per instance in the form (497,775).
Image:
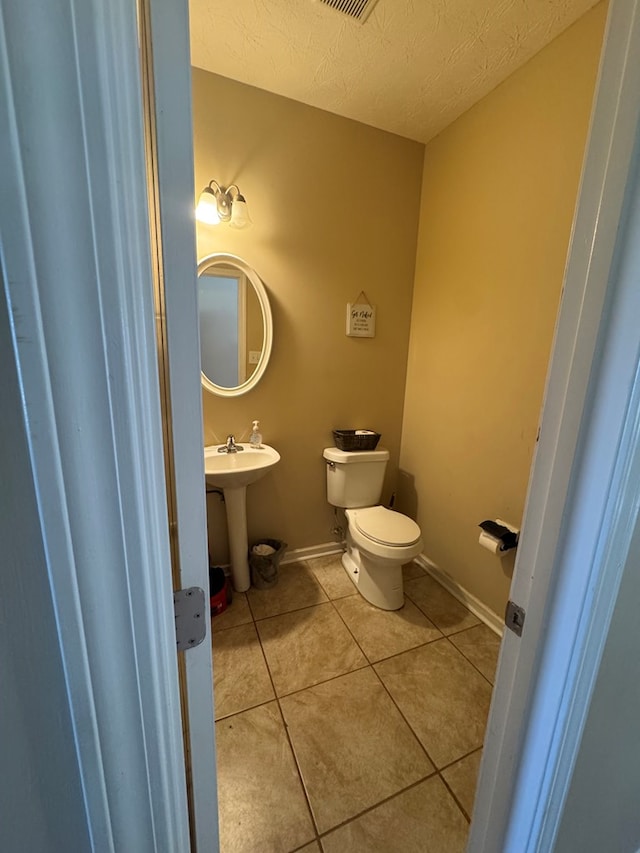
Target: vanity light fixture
(222,204)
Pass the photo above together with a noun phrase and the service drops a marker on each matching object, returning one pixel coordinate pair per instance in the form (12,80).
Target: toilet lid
(386,526)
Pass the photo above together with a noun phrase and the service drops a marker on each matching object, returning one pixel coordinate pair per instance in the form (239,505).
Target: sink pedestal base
(236,508)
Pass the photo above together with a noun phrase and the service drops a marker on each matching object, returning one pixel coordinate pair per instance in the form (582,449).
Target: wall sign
(361,318)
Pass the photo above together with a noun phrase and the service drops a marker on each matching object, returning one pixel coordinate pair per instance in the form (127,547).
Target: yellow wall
(335,209)
(498,194)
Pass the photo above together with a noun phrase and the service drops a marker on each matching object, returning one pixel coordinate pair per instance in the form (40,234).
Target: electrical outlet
(254,356)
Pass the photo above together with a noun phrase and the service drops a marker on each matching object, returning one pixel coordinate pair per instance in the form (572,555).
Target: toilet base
(380,583)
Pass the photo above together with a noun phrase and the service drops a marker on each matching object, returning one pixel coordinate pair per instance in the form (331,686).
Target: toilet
(379,540)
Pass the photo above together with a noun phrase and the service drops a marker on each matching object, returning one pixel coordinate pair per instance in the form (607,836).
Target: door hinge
(514,618)
(189,607)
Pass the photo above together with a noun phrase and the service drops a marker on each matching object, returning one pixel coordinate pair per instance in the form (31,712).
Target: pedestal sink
(233,472)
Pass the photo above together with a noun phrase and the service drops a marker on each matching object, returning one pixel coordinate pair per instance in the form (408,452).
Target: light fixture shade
(239,213)
(207,209)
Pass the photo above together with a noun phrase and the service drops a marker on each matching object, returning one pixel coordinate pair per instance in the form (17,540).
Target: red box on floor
(218,602)
(217,590)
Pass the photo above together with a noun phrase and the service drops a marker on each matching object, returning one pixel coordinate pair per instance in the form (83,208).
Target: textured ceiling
(412,68)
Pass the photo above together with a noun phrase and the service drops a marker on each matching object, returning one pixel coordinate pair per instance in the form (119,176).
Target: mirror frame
(221,259)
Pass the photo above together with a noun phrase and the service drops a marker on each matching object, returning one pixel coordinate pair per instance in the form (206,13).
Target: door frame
(169,72)
(576,527)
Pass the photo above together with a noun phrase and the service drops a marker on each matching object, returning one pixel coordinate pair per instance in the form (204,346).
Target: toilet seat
(386,527)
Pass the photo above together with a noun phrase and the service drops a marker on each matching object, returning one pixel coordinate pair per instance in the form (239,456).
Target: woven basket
(347,439)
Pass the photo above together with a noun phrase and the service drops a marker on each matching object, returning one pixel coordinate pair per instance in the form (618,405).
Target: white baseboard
(477,607)
(297,554)
(323,550)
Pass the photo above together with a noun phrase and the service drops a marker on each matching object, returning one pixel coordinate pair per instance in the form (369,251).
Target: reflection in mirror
(235,325)
(231,328)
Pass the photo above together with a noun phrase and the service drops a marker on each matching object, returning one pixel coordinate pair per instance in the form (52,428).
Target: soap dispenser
(255,439)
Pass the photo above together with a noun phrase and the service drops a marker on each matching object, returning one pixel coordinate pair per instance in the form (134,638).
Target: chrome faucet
(230,446)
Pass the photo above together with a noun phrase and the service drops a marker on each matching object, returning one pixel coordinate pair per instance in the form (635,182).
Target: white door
(79,354)
(97,754)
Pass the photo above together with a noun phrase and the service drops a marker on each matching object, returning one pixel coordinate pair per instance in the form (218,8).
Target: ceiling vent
(357,9)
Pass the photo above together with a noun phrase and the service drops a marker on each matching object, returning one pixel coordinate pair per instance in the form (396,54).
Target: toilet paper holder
(504,534)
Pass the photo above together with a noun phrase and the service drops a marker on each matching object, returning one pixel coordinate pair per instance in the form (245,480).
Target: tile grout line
(294,755)
(358,815)
(355,639)
(450,789)
(365,665)
(370,664)
(276,698)
(451,764)
(477,669)
(293,610)
(458,603)
(462,758)
(454,634)
(351,634)
(314,825)
(455,798)
(410,727)
(453,645)
(436,770)
(243,710)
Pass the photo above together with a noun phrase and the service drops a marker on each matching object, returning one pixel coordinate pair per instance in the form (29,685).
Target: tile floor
(341,727)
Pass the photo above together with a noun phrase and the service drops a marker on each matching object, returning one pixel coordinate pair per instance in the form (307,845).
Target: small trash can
(264,559)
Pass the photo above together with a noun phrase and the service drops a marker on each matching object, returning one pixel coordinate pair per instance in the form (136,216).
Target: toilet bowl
(379,540)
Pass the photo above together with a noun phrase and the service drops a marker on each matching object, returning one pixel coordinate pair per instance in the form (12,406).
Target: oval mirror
(236,329)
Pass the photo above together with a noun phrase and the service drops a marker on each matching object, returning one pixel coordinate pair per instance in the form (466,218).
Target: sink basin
(234,470)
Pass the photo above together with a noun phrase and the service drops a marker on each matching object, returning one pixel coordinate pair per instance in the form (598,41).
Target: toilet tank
(354,478)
